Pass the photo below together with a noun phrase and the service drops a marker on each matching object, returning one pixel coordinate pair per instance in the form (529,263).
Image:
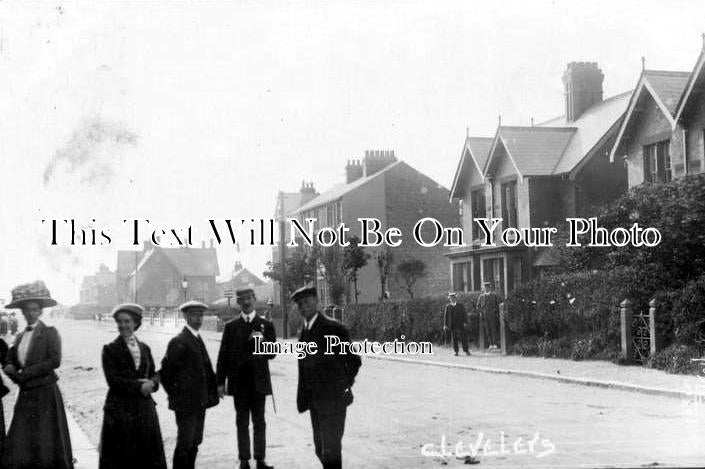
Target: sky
(181,112)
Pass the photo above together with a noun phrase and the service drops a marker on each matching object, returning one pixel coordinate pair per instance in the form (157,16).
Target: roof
(126,261)
(338,191)
(535,150)
(664,87)
(590,128)
(478,148)
(245,277)
(697,76)
(193,261)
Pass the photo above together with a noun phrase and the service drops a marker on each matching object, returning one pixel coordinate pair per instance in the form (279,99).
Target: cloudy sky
(179,112)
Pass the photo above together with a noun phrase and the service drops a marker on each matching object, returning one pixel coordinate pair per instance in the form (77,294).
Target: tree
(300,269)
(385,260)
(409,272)
(354,259)
(331,261)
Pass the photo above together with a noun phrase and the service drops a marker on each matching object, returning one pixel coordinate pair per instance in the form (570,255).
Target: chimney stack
(377,160)
(308,192)
(583,88)
(353,171)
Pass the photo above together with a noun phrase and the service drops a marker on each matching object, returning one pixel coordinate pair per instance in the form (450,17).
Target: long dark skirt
(39,433)
(131,437)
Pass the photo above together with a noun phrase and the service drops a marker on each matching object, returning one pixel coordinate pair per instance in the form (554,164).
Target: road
(403,413)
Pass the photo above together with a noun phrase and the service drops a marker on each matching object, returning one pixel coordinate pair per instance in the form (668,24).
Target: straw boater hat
(34,291)
(452,294)
(193,306)
(133,309)
(303,292)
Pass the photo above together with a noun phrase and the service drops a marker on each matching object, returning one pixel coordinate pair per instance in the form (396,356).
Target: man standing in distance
(325,380)
(455,319)
(188,378)
(247,375)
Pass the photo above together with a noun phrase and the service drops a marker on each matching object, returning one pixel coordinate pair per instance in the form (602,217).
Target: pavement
(597,373)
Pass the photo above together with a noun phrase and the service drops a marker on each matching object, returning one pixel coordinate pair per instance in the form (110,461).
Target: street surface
(403,410)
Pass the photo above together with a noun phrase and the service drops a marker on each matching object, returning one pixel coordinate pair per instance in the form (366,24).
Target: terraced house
(536,176)
(663,133)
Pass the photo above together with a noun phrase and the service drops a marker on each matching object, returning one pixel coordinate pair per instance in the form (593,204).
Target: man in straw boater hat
(189,380)
(455,319)
(246,375)
(325,380)
(39,432)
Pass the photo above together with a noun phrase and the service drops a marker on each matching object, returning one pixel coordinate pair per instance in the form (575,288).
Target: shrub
(418,319)
(677,359)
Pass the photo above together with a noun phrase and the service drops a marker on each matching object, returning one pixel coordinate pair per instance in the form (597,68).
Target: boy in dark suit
(325,380)
(188,378)
(247,375)
(455,318)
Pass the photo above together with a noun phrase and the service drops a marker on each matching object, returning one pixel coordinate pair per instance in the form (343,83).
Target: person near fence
(39,433)
(245,376)
(488,306)
(131,436)
(455,320)
(189,380)
(325,380)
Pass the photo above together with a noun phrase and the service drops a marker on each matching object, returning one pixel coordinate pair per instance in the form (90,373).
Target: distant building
(168,276)
(663,134)
(536,176)
(242,277)
(100,288)
(287,204)
(382,187)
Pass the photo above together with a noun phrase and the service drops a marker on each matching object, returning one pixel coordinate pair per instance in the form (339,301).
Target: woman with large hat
(131,437)
(39,432)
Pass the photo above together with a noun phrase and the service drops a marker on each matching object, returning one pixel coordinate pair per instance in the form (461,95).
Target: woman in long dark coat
(39,433)
(131,437)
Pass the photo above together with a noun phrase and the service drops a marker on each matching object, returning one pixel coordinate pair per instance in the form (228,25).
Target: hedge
(417,319)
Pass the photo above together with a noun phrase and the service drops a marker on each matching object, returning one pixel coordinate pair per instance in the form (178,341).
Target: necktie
(28,328)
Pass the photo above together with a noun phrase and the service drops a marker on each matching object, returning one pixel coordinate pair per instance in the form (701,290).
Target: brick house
(536,176)
(382,187)
(158,280)
(242,277)
(100,288)
(287,204)
(663,133)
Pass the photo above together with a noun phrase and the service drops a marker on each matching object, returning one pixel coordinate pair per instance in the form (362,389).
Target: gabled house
(382,187)
(170,276)
(536,176)
(242,277)
(662,135)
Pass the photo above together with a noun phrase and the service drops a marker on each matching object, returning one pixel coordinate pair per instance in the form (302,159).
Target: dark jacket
(236,362)
(455,316)
(123,378)
(43,357)
(187,374)
(131,437)
(326,379)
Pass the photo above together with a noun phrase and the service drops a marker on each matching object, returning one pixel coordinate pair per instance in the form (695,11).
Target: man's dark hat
(303,292)
(193,306)
(243,292)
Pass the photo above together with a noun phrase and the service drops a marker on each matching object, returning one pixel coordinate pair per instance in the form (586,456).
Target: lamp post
(184,287)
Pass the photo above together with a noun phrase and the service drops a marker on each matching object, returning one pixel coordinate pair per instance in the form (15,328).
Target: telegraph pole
(282,265)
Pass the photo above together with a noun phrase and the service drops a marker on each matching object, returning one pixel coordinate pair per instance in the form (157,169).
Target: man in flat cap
(325,380)
(246,375)
(455,319)
(188,378)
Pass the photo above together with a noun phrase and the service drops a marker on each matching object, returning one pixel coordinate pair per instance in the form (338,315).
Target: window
(461,276)
(509,204)
(477,202)
(657,162)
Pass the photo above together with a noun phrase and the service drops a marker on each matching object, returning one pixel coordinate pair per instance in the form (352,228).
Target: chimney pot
(583,88)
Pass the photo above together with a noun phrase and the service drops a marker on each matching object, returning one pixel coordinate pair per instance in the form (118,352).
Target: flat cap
(131,308)
(243,292)
(303,292)
(193,305)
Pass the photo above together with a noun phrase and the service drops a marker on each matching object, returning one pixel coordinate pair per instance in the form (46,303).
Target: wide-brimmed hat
(303,292)
(133,309)
(34,291)
(193,306)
